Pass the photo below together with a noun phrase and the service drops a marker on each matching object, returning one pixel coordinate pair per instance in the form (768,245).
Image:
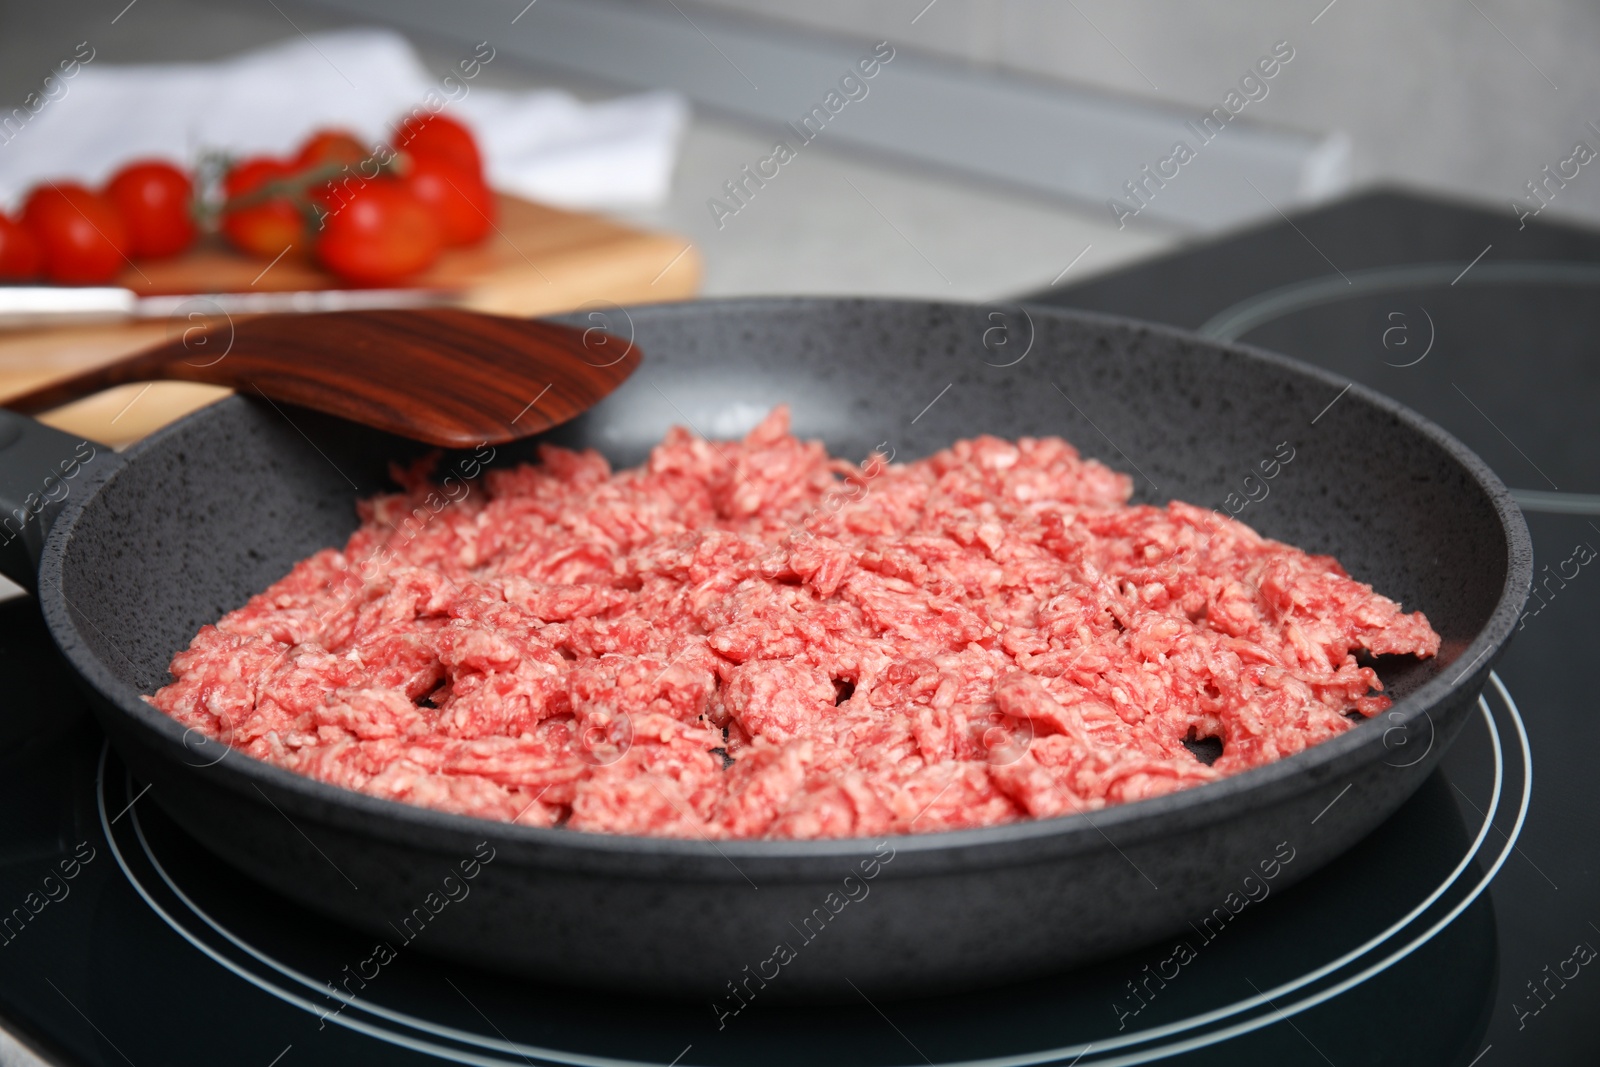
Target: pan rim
(1136,821)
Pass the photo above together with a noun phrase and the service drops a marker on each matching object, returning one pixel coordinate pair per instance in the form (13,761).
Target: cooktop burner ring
(1142,1046)
(1241,317)
(1233,322)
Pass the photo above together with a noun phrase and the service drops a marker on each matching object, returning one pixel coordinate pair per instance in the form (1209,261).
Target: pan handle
(40,468)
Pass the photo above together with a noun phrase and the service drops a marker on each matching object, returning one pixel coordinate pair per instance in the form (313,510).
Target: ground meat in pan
(750,639)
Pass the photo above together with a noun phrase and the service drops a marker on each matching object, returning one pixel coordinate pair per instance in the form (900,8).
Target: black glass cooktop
(1461,932)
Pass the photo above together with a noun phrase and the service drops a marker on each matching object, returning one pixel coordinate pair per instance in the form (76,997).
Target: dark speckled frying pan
(144,548)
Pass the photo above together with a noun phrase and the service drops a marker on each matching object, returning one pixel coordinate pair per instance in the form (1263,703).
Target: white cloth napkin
(542,144)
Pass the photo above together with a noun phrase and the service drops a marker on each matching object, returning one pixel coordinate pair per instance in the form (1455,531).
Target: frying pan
(144,548)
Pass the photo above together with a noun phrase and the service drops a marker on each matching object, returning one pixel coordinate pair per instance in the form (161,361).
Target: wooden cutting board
(540,260)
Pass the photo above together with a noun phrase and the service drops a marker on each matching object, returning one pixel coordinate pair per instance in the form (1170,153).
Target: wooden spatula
(442,375)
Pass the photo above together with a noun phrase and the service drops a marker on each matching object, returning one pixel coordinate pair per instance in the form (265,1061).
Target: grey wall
(1430,91)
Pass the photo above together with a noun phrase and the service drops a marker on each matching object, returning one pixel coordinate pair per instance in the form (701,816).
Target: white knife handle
(26,306)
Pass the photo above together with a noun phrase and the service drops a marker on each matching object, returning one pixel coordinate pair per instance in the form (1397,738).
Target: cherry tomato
(19,251)
(268,227)
(457,197)
(82,238)
(380,234)
(441,137)
(331,146)
(153,198)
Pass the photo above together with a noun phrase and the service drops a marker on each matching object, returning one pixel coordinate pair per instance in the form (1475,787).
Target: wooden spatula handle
(442,375)
(139,367)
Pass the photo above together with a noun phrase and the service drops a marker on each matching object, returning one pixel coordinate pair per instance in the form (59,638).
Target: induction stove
(1459,932)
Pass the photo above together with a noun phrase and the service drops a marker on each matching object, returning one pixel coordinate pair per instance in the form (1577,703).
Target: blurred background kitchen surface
(1468,99)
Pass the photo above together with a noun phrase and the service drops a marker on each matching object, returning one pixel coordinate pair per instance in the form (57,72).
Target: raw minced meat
(750,639)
